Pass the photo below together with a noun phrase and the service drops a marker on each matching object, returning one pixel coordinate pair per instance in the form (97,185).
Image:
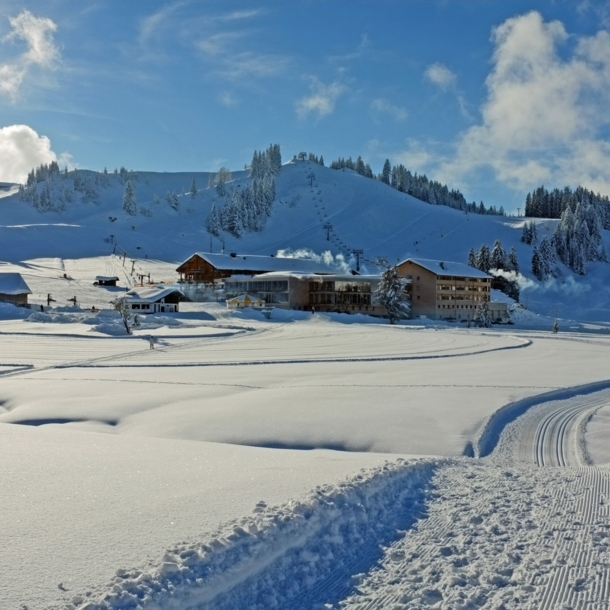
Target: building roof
(13,284)
(106,278)
(347,277)
(446,267)
(150,295)
(255,262)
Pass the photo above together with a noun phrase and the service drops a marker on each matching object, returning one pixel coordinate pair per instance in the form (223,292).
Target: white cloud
(227,99)
(381,105)
(545,112)
(21,149)
(322,100)
(37,33)
(441,76)
(152,25)
(245,64)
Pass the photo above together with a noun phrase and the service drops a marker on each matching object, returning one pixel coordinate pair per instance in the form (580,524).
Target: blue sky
(492,97)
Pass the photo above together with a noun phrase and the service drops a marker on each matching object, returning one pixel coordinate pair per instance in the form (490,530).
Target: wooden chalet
(207,268)
(13,289)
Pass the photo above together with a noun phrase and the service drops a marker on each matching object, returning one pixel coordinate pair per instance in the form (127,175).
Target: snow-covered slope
(364,214)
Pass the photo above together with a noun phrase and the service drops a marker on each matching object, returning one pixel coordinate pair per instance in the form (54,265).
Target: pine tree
(386,171)
(212,223)
(193,190)
(129,199)
(513,262)
(526,236)
(391,292)
(472,261)
(498,256)
(483,259)
(175,202)
(482,317)
(536,264)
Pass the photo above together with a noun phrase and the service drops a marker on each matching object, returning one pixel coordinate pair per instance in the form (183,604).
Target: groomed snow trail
(528,528)
(552,433)
(501,538)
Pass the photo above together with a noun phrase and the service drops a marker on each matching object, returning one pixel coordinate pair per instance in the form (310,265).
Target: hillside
(365,214)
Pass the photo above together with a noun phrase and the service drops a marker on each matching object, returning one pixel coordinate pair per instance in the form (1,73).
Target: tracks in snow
(496,537)
(551,433)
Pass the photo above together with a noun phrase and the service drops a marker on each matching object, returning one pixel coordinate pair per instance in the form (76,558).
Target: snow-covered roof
(13,283)
(255,262)
(106,278)
(150,295)
(348,277)
(446,267)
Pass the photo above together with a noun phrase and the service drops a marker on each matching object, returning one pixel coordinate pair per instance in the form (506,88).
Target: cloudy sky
(492,97)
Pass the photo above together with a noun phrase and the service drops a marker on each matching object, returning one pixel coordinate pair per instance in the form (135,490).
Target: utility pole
(328,228)
(311,177)
(357,253)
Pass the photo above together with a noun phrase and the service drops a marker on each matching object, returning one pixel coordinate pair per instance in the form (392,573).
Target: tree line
(416,185)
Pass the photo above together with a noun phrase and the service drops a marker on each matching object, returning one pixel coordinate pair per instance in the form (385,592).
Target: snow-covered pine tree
(129,199)
(391,292)
(482,317)
(386,172)
(526,236)
(175,202)
(482,259)
(497,259)
(513,261)
(212,223)
(155,199)
(193,190)
(472,260)
(536,264)
(235,216)
(547,254)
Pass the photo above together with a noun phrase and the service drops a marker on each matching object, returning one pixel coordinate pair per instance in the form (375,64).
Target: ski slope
(364,213)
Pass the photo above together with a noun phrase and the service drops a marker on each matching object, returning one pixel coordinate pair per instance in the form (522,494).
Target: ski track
(501,538)
(528,528)
(300,555)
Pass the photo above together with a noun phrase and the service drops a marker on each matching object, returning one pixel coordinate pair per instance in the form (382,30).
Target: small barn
(105,280)
(154,300)
(13,289)
(244,300)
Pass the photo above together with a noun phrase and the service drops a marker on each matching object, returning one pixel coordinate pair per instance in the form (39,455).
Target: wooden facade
(198,270)
(20,300)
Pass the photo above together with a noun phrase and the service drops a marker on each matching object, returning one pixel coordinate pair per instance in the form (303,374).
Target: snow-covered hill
(364,213)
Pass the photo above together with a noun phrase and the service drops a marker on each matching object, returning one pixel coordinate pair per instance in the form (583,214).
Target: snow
(151,294)
(302,460)
(597,435)
(447,268)
(257,263)
(13,284)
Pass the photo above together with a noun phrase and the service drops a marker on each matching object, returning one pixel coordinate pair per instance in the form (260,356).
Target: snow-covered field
(247,462)
(301,462)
